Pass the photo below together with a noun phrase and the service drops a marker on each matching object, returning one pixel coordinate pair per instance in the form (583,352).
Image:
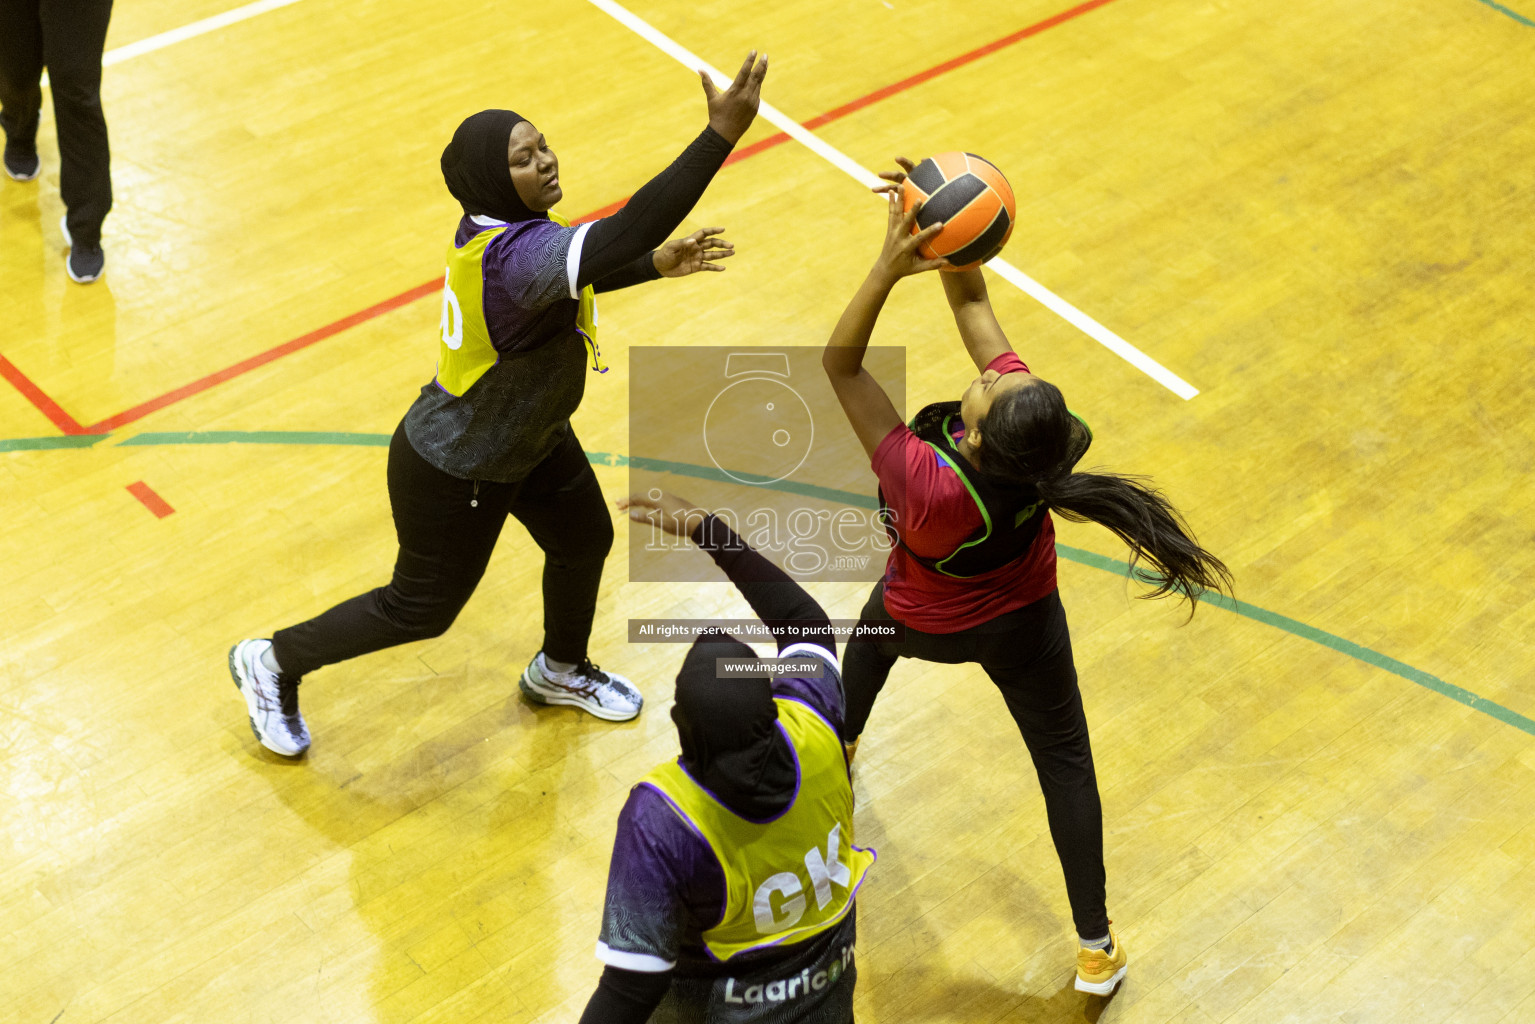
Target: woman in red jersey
(967,490)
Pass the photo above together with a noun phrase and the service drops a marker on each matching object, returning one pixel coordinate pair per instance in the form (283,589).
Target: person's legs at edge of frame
(21,93)
(74,35)
(561,506)
(1031,663)
(447,529)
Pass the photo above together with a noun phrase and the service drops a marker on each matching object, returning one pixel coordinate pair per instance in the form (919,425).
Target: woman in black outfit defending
(490,436)
(969,487)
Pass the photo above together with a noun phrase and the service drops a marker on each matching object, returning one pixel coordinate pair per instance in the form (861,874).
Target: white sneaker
(605,694)
(280,729)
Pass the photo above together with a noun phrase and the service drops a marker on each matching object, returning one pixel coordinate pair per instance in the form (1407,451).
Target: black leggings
(67,36)
(1027,653)
(445,544)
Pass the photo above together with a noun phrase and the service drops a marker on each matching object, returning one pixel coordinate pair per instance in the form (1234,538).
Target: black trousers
(445,544)
(66,36)
(1027,653)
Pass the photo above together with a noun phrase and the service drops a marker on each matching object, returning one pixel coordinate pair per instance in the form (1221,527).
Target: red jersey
(935,515)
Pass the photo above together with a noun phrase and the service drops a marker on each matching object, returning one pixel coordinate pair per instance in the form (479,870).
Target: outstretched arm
(773,594)
(654,212)
(865,402)
(700,251)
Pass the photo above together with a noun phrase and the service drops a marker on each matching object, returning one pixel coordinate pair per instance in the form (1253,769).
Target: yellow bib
(794,877)
(465,351)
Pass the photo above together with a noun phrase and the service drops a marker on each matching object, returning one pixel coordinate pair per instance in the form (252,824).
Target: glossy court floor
(1319,801)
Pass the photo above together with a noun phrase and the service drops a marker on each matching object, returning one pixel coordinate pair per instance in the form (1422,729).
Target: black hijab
(731,743)
(474,166)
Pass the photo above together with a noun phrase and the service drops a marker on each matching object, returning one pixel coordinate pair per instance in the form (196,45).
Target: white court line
(1051,301)
(185,32)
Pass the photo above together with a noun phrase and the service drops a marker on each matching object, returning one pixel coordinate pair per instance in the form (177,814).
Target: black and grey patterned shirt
(515,414)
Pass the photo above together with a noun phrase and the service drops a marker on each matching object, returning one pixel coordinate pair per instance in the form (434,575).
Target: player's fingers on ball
(928,232)
(906,163)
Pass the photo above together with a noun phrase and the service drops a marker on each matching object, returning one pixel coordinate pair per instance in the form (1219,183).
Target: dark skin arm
(614,243)
(730,113)
(978,326)
(865,402)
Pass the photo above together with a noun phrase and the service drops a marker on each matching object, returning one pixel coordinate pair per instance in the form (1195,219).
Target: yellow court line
(1012,275)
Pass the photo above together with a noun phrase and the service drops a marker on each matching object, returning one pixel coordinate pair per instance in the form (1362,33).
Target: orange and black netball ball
(972,200)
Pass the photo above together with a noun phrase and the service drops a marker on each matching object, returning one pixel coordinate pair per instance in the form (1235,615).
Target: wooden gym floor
(1319,804)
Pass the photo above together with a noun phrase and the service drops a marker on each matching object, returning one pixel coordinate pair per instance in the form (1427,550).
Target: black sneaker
(21,163)
(85,263)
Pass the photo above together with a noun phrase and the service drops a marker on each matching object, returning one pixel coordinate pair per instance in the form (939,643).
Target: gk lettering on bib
(791,878)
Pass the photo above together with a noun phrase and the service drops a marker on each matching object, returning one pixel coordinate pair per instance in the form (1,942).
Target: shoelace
(587,670)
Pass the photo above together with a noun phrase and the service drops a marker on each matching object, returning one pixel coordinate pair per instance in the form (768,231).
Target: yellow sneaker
(1097,971)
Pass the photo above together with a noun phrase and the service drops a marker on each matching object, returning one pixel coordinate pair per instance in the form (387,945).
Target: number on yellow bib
(452,316)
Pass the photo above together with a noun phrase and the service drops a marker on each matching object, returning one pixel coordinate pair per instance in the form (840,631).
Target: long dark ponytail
(1027,438)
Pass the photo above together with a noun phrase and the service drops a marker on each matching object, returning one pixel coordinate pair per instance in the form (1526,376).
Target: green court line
(1328,640)
(1521,19)
(258,437)
(715,473)
(1091,559)
(27,444)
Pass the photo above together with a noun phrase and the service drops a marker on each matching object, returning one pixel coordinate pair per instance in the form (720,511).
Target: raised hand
(674,515)
(900,258)
(692,253)
(731,112)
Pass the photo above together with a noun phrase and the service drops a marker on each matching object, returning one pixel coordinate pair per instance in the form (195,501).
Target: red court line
(67,424)
(152,501)
(920,77)
(405,298)
(244,366)
(34,394)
